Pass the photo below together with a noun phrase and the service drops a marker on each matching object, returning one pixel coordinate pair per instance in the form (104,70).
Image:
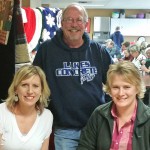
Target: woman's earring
(16,98)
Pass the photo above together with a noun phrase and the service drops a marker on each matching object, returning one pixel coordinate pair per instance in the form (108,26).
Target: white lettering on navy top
(87,72)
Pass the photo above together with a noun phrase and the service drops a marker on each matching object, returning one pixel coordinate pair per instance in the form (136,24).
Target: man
(75,68)
(125,45)
(117,37)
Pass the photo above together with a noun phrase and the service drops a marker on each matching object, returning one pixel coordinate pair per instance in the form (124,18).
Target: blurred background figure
(127,55)
(138,56)
(125,45)
(117,37)
(143,47)
(146,63)
(112,50)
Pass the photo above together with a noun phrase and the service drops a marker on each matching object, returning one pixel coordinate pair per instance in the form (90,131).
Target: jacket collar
(143,111)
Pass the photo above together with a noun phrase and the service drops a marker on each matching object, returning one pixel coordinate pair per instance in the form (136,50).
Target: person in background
(127,55)
(125,45)
(148,45)
(75,68)
(117,37)
(112,50)
(138,57)
(146,64)
(24,122)
(146,72)
(143,47)
(107,41)
(123,123)
(109,47)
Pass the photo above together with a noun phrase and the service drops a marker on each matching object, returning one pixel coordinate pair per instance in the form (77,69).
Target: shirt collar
(114,113)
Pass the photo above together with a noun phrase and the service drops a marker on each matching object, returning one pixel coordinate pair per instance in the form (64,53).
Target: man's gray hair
(85,17)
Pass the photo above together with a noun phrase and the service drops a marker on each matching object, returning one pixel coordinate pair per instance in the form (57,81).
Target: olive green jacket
(97,134)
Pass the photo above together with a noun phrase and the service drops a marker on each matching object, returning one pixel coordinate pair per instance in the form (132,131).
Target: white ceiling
(101,4)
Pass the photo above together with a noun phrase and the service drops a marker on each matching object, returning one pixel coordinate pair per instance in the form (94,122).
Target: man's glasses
(79,21)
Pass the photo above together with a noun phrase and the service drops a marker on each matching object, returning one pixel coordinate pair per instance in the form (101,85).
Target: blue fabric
(51,22)
(113,51)
(75,78)
(118,38)
(66,139)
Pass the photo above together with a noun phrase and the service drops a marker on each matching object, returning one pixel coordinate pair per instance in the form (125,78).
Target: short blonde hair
(23,73)
(129,72)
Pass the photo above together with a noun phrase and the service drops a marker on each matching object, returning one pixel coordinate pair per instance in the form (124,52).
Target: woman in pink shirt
(123,123)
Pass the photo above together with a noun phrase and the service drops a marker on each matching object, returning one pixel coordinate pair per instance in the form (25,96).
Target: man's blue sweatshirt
(75,77)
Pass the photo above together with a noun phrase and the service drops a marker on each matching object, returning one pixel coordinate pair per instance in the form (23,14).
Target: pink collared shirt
(122,139)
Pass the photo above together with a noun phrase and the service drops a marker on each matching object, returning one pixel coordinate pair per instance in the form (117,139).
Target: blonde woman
(124,123)
(25,123)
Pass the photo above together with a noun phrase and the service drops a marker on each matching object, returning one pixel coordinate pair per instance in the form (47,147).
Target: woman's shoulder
(47,113)
(46,118)
(4,111)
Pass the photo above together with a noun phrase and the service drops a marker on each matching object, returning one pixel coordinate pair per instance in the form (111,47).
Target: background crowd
(137,52)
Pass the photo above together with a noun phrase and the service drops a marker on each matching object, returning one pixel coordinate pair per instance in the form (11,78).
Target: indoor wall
(97,12)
